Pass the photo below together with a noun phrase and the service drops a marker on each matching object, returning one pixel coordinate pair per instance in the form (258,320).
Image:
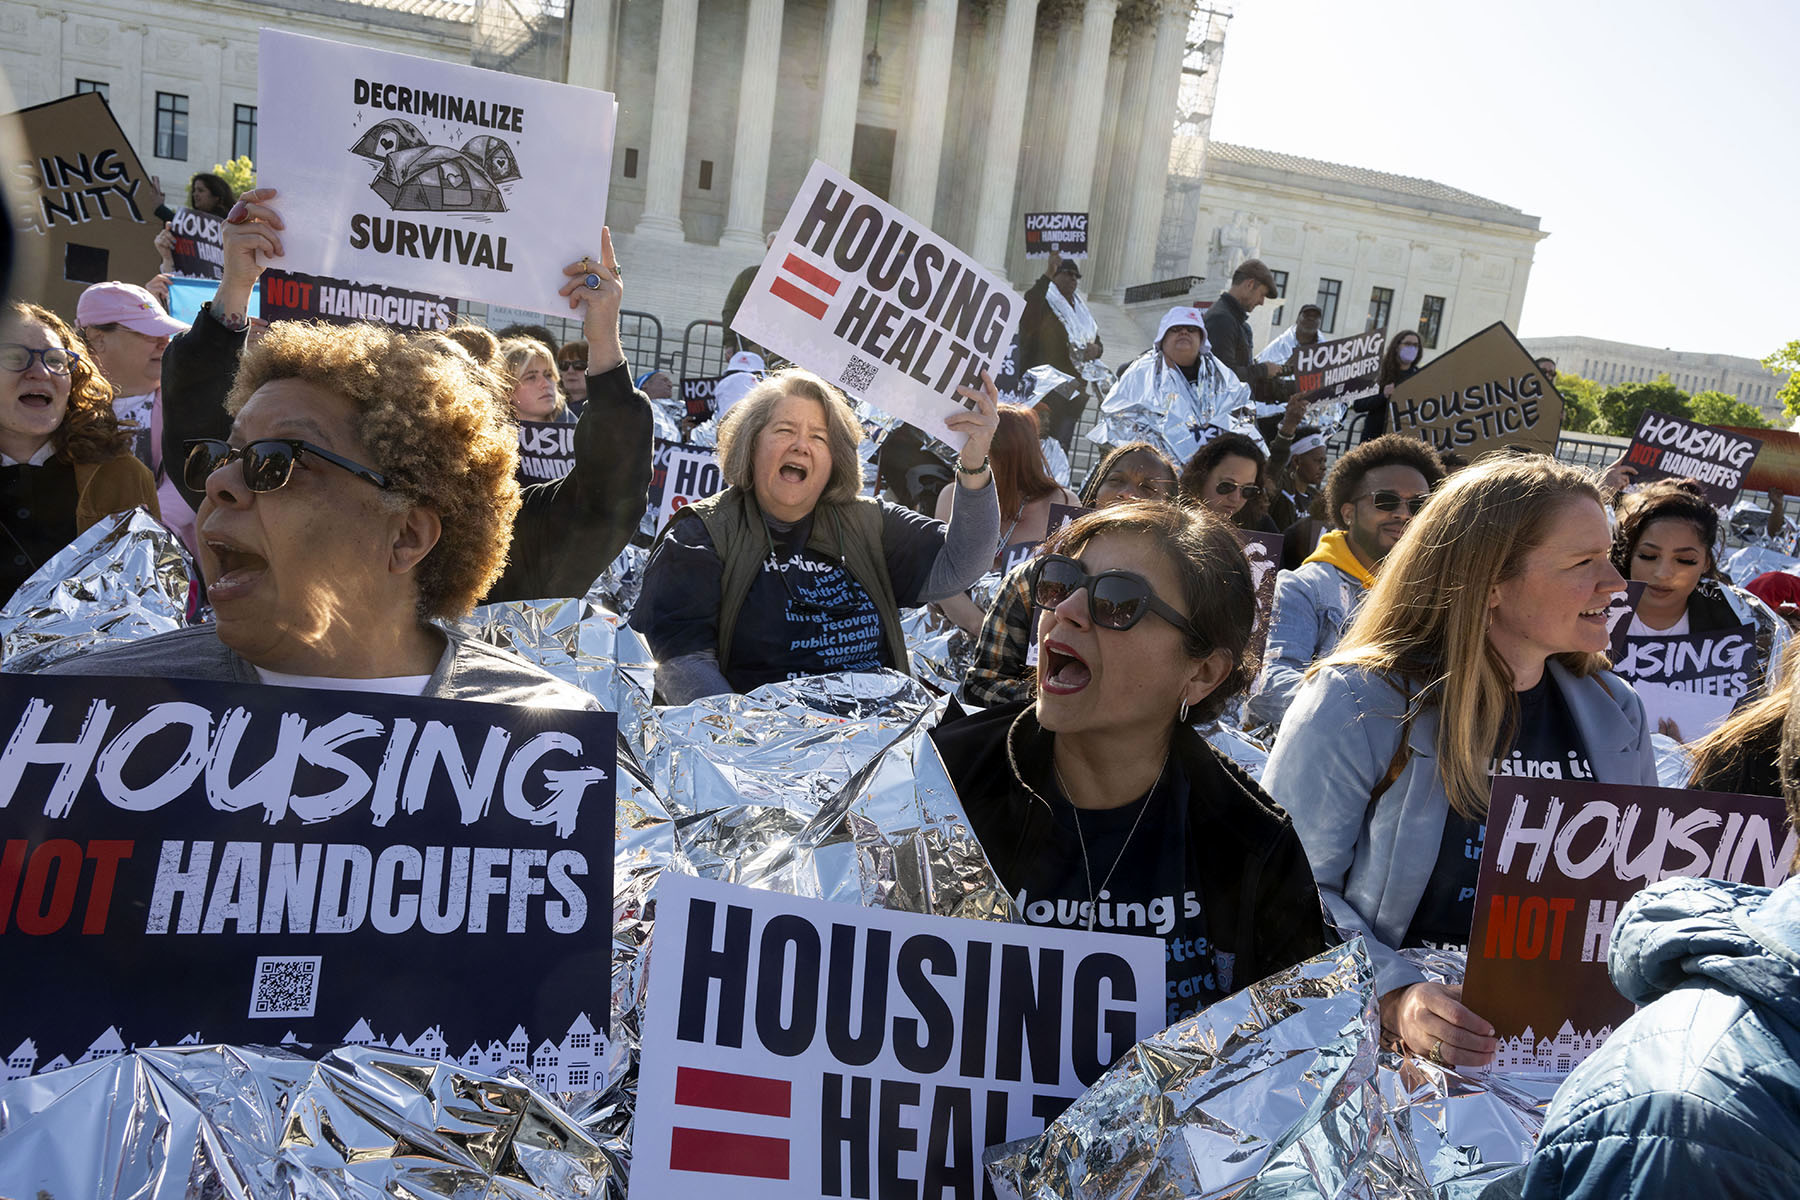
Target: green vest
(850,533)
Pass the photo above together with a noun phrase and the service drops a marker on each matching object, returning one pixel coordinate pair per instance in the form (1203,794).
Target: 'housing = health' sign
(878,304)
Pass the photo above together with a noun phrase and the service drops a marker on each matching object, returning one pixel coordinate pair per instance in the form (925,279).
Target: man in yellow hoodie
(1371,496)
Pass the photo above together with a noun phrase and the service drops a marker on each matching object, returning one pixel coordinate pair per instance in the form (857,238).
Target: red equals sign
(722,1152)
(802,299)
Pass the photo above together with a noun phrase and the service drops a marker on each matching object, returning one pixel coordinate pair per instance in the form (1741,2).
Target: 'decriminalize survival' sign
(248,864)
(878,304)
(808,1048)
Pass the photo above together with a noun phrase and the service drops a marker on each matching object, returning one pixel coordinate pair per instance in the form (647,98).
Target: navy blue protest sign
(185,860)
(1689,682)
(290,296)
(701,396)
(1666,447)
(199,250)
(1064,232)
(546,450)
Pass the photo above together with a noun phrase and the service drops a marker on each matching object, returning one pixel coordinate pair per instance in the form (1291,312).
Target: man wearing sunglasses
(1372,494)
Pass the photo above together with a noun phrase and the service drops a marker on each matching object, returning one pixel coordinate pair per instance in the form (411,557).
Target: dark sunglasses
(268,462)
(573,364)
(1250,490)
(1116,599)
(57,361)
(1389,502)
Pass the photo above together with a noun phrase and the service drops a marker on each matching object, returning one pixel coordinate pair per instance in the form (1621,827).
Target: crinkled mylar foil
(1282,347)
(361,1123)
(1246,751)
(1056,460)
(126,578)
(619,585)
(1674,765)
(941,650)
(1151,404)
(1762,555)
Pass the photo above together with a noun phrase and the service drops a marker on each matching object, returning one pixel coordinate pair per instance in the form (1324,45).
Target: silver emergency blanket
(1281,348)
(126,578)
(940,650)
(1674,765)
(666,417)
(878,423)
(1056,460)
(1155,403)
(1039,382)
(619,585)
(264,1124)
(1281,1090)
(1745,564)
(1247,751)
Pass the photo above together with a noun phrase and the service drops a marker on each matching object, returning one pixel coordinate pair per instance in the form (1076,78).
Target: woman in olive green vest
(790,571)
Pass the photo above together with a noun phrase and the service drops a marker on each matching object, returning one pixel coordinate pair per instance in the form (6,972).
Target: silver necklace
(1086,868)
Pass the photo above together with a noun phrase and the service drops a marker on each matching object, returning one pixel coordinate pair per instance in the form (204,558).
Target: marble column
(1075,183)
(999,167)
(842,83)
(756,126)
(669,121)
(1150,173)
(1106,245)
(591,43)
(1101,195)
(922,133)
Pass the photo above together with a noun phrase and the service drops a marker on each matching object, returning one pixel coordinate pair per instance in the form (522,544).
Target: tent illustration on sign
(416,176)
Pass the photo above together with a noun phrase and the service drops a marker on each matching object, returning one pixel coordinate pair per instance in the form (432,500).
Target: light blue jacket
(1313,604)
(1337,743)
(1698,1093)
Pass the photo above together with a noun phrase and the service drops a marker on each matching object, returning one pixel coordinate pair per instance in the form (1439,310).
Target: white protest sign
(692,475)
(805,1048)
(429,175)
(865,296)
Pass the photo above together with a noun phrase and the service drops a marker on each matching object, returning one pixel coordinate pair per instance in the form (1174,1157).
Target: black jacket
(1246,860)
(568,530)
(1042,339)
(1228,332)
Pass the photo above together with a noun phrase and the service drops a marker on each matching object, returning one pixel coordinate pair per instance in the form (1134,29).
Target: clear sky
(1655,141)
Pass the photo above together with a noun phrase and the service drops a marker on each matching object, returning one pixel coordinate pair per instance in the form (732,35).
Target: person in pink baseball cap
(127,331)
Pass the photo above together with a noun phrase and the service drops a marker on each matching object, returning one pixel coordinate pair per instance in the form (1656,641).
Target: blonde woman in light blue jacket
(1479,651)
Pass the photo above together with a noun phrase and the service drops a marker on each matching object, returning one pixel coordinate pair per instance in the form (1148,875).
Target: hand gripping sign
(809,1048)
(879,305)
(431,176)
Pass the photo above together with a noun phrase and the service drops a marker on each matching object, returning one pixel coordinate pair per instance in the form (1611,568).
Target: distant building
(1621,362)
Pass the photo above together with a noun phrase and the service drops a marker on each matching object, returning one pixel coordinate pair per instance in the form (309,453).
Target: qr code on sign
(858,375)
(285,987)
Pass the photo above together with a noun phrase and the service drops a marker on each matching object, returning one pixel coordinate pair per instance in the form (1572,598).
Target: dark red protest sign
(1776,467)
(295,297)
(1717,459)
(1561,857)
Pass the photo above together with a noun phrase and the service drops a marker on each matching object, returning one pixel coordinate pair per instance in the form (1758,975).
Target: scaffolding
(1193,129)
(523,37)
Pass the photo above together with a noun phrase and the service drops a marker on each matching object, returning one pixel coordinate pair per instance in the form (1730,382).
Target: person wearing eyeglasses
(65,462)
(1225,475)
(1097,803)
(1374,492)
(567,531)
(365,494)
(1003,669)
(571,373)
(789,571)
(1480,651)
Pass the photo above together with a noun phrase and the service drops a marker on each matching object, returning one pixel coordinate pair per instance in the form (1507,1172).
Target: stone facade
(1691,371)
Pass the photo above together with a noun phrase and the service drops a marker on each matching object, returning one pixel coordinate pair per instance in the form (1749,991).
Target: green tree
(1718,408)
(1623,404)
(1787,359)
(239,173)
(1581,403)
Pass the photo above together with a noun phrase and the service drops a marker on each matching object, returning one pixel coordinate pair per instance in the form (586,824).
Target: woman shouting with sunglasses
(1480,651)
(64,461)
(789,571)
(1098,805)
(366,492)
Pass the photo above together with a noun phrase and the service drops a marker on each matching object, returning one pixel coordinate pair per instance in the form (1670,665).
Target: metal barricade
(640,334)
(706,346)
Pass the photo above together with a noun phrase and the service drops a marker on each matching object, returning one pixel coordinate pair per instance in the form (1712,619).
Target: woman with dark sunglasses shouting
(1480,651)
(1098,804)
(366,492)
(64,461)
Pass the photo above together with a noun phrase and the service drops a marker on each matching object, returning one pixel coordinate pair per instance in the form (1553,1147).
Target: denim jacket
(1313,604)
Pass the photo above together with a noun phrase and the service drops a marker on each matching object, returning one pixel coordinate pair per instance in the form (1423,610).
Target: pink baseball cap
(125,304)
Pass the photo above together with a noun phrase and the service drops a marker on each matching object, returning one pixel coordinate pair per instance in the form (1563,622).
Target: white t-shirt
(393,685)
(1639,629)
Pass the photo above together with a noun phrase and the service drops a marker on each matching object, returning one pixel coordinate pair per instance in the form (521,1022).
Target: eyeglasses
(268,462)
(1389,502)
(57,361)
(1250,491)
(1116,599)
(573,364)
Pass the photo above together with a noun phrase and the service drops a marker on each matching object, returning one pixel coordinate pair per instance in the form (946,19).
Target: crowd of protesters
(349,491)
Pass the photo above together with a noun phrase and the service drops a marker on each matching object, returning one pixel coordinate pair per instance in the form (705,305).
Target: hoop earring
(1182,715)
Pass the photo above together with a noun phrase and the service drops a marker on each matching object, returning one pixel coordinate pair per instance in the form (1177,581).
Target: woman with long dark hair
(1401,362)
(1225,476)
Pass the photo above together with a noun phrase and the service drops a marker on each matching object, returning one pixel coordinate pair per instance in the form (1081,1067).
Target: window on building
(1280,295)
(631,162)
(1431,321)
(172,126)
(243,131)
(1328,302)
(1381,308)
(84,86)
(706,174)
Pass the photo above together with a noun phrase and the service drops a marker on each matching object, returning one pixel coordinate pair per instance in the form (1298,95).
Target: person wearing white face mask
(1400,363)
